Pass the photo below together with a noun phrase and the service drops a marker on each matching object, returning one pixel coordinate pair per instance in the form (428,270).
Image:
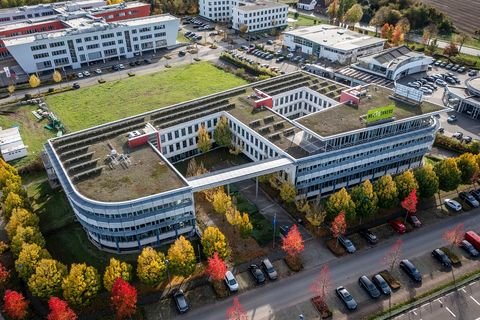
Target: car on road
(230,281)
(180,301)
(381,284)
(469,248)
(467,139)
(79,75)
(347,244)
(452,205)
(75,85)
(414,221)
(442,258)
(369,236)
(369,287)
(346,298)
(469,199)
(398,226)
(269,269)
(412,272)
(257,274)
(457,135)
(98,71)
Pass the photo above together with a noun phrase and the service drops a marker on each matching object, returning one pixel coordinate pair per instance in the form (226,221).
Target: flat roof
(334,37)
(251,6)
(344,118)
(392,56)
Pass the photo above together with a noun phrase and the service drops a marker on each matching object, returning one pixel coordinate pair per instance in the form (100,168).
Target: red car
(398,226)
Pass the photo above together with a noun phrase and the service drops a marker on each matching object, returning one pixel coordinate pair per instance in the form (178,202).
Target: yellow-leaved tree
(47,279)
(213,240)
(204,143)
(245,226)
(116,269)
(20,217)
(182,257)
(28,259)
(24,235)
(288,192)
(151,266)
(234,216)
(34,81)
(221,201)
(12,201)
(81,285)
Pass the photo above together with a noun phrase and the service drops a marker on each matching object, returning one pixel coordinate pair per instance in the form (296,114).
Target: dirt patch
(391,280)
(336,248)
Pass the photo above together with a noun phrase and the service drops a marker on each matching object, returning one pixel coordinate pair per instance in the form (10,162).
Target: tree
(11,202)
(245,226)
(182,257)
(234,217)
(332,10)
(59,310)
(429,32)
(315,214)
(432,47)
(4,275)
(455,235)
(288,192)
(393,255)
(29,257)
(343,7)
(47,279)
(216,267)
(451,49)
(15,305)
(461,39)
(405,183)
(467,164)
(81,285)
(365,200)
(320,286)
(410,202)
(222,133)
(124,299)
(20,217)
(56,76)
(26,235)
(387,31)
(236,311)
(243,28)
(449,176)
(116,269)
(194,169)
(398,35)
(339,226)
(353,15)
(151,266)
(340,201)
(204,143)
(34,81)
(221,201)
(427,181)
(214,241)
(386,191)
(293,242)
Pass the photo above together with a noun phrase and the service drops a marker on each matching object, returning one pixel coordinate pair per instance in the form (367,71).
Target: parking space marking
(414,311)
(463,289)
(448,294)
(453,314)
(475,300)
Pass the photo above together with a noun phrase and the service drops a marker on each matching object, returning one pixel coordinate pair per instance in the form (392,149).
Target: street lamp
(167,262)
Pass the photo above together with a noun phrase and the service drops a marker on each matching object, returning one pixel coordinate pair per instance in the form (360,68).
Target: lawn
(304,20)
(181,38)
(92,106)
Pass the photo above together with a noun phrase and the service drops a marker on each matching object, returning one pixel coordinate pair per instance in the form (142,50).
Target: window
(108,35)
(61,61)
(78,40)
(59,52)
(160,34)
(160,27)
(40,55)
(145,29)
(57,44)
(108,43)
(92,46)
(147,36)
(39,47)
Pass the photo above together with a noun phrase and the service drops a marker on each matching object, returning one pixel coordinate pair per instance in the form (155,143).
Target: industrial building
(121,181)
(11,144)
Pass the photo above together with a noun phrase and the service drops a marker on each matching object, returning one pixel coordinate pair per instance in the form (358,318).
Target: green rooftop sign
(380,113)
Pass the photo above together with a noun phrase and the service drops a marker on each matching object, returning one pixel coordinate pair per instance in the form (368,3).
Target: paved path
(442,44)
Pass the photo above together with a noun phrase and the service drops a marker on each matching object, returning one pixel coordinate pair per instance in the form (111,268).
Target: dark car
(257,274)
(138,62)
(132,63)
(269,269)
(347,244)
(442,258)
(181,53)
(469,248)
(369,236)
(381,284)
(76,86)
(115,67)
(147,61)
(369,287)
(411,271)
(469,199)
(414,221)
(180,301)
(476,194)
(346,298)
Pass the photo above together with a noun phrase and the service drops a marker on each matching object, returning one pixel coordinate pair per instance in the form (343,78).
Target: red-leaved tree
(4,274)
(320,287)
(216,267)
(124,299)
(15,305)
(339,226)
(59,310)
(455,235)
(236,311)
(410,202)
(293,243)
(393,255)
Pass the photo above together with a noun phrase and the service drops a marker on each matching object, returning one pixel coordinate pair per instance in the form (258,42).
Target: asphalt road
(262,302)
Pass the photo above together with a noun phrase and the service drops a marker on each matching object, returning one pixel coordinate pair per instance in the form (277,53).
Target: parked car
(441,130)
(121,66)
(469,199)
(79,75)
(98,71)
(346,298)
(440,82)
(86,73)
(453,205)
(426,90)
(347,244)
(472,73)
(369,236)
(382,284)
(473,238)
(230,281)
(457,135)
(476,194)
(75,85)
(257,274)
(411,271)
(181,53)
(180,301)
(369,287)
(467,139)
(469,248)
(147,61)
(398,226)
(269,269)
(442,258)
(115,68)
(414,221)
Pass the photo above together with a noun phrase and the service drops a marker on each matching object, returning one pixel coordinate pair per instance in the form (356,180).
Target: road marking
(475,300)
(453,314)
(472,284)
(414,311)
(463,289)
(424,305)
(448,294)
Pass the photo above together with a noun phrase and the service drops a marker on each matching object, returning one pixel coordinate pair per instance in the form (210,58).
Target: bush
(453,257)
(28,96)
(295,264)
(391,280)
(336,248)
(51,90)
(456,145)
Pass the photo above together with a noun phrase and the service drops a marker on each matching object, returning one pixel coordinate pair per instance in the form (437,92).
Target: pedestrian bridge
(239,173)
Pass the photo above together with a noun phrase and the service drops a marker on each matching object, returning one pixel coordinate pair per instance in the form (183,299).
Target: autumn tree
(116,269)
(332,10)
(34,81)
(20,217)
(222,133)
(340,201)
(461,38)
(236,311)
(288,192)
(245,226)
(427,181)
(221,201)
(124,299)
(365,200)
(29,257)
(455,235)
(386,191)
(182,257)
(449,176)
(216,267)
(321,286)
(47,279)
(451,49)
(195,169)
(338,226)
(398,35)
(467,164)
(386,32)
(353,15)
(4,275)
(11,202)
(314,213)
(15,305)
(59,310)
(151,266)
(214,241)
(293,243)
(26,235)
(204,143)
(429,32)
(410,202)
(393,255)
(405,183)
(81,285)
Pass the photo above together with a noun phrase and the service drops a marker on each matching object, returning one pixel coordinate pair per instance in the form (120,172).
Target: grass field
(304,21)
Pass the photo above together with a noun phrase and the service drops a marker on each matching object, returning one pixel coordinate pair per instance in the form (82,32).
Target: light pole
(167,262)
(274,224)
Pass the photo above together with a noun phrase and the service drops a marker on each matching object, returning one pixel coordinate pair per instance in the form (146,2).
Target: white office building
(89,39)
(308,5)
(218,11)
(260,16)
(11,144)
(333,43)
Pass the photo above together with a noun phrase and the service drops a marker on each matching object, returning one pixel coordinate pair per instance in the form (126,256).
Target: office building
(11,144)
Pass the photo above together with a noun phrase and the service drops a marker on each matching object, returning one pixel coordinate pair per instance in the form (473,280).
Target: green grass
(181,38)
(304,21)
(111,101)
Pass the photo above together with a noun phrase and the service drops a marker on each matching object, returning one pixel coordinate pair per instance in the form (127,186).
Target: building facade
(307,5)
(218,11)
(464,99)
(259,16)
(11,144)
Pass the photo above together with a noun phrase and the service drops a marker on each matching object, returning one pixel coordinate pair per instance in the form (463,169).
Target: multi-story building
(259,16)
(217,10)
(332,42)
(121,181)
(88,39)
